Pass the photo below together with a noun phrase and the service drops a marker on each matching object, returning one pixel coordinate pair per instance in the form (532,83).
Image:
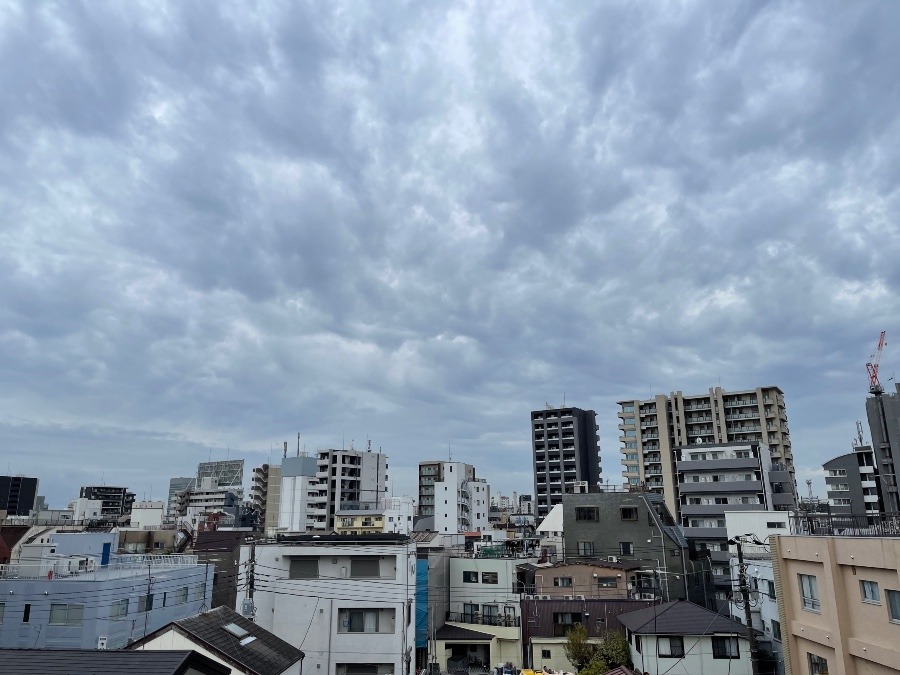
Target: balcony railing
(824,524)
(483,620)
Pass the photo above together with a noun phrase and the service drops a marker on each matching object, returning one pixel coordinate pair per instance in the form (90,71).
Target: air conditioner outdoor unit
(579,597)
(569,597)
(529,597)
(613,558)
(545,597)
(648,596)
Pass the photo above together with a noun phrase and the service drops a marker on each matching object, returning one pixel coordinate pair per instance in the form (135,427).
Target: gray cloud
(223,225)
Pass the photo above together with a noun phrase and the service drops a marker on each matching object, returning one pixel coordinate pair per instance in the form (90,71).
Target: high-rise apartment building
(883,411)
(229,474)
(566,451)
(176,487)
(116,501)
(651,430)
(450,493)
(853,483)
(18,495)
(346,477)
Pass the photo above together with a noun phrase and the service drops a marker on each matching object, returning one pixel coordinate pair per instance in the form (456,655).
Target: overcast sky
(223,224)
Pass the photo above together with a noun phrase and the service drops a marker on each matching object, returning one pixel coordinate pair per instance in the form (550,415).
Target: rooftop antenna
(449,455)
(859,432)
(564,399)
(285,451)
(369,445)
(809,488)
(298,444)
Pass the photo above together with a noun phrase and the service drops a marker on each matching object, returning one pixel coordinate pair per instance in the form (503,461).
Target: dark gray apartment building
(854,485)
(620,526)
(117,501)
(17,494)
(883,411)
(566,452)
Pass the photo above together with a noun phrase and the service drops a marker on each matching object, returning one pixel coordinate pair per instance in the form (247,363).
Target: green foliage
(596,667)
(614,650)
(579,651)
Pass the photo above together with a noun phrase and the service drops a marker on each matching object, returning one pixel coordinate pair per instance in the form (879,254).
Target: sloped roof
(448,632)
(94,661)
(266,654)
(553,522)
(679,617)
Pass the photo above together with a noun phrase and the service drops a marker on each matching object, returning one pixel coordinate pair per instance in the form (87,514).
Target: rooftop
(93,661)
(679,617)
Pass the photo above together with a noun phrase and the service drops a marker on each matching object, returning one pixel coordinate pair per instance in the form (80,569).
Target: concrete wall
(697,660)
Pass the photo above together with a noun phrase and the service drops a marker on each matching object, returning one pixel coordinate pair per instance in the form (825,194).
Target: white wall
(697,660)
(479,593)
(293,509)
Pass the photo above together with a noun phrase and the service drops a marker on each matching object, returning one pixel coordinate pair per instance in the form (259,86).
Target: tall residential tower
(651,430)
(566,451)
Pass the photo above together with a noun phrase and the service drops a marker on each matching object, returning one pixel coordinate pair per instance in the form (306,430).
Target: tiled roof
(267,654)
(93,661)
(679,617)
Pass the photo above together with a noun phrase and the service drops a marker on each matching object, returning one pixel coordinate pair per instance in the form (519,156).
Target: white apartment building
(298,480)
(346,601)
(346,476)
(451,495)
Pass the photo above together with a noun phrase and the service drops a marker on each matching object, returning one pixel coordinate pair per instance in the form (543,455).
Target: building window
(770,589)
(563,622)
(364,567)
(607,582)
(626,548)
(304,568)
(776,630)
(545,654)
(809,592)
(200,592)
(181,596)
(470,577)
(66,615)
(637,643)
(145,603)
(119,609)
(366,621)
(725,648)
(2,611)
(671,647)
(564,582)
(893,601)
(817,664)
(587,513)
(869,591)
(629,513)
(586,548)
(489,578)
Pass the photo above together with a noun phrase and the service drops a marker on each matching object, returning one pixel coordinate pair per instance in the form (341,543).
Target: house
(601,580)
(347,601)
(691,637)
(228,638)
(97,662)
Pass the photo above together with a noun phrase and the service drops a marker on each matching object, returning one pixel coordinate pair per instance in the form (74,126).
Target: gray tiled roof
(268,654)
(94,662)
(679,617)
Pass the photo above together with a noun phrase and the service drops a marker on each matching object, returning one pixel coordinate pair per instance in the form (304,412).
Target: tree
(615,650)
(596,667)
(579,651)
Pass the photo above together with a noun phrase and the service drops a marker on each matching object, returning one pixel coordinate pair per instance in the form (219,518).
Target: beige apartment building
(839,604)
(650,431)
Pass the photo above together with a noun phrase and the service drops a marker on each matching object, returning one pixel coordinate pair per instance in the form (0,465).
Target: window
(119,609)
(365,620)
(469,612)
(671,647)
(563,621)
(893,601)
(26,614)
(776,525)
(66,615)
(145,603)
(817,664)
(545,654)
(725,648)
(626,548)
(869,591)
(607,582)
(837,472)
(565,582)
(585,548)
(364,567)
(629,513)
(304,568)
(200,592)
(470,577)
(637,643)
(809,592)
(489,578)
(587,513)
(770,589)
(180,596)
(776,630)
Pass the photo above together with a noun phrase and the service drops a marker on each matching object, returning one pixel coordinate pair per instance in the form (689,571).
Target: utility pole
(745,594)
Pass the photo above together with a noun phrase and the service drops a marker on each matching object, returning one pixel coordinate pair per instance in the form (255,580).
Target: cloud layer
(223,225)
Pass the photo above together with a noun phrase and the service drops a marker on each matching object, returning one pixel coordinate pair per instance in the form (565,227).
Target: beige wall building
(650,430)
(601,581)
(839,604)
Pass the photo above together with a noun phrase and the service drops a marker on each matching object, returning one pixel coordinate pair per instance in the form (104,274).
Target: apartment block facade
(566,451)
(18,495)
(346,476)
(883,412)
(116,501)
(854,483)
(451,495)
(651,430)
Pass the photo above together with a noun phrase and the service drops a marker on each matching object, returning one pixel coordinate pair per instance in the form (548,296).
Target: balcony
(722,486)
(483,620)
(716,509)
(652,434)
(705,532)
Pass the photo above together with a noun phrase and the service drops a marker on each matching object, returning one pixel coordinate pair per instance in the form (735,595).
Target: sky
(226,223)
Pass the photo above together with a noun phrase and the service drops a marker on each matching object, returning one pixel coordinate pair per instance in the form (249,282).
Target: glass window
(776,630)
(893,601)
(489,578)
(629,513)
(145,603)
(725,648)
(545,654)
(607,582)
(629,433)
(587,513)
(869,591)
(565,582)
(817,664)
(66,615)
(365,567)
(470,577)
(366,620)
(626,548)
(809,592)
(671,647)
(585,548)
(119,609)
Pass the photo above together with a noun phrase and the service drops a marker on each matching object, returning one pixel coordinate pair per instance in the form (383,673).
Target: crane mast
(872,366)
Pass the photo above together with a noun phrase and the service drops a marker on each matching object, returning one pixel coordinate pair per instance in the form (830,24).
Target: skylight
(236,630)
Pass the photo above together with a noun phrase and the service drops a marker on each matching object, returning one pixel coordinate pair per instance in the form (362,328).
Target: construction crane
(872,366)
